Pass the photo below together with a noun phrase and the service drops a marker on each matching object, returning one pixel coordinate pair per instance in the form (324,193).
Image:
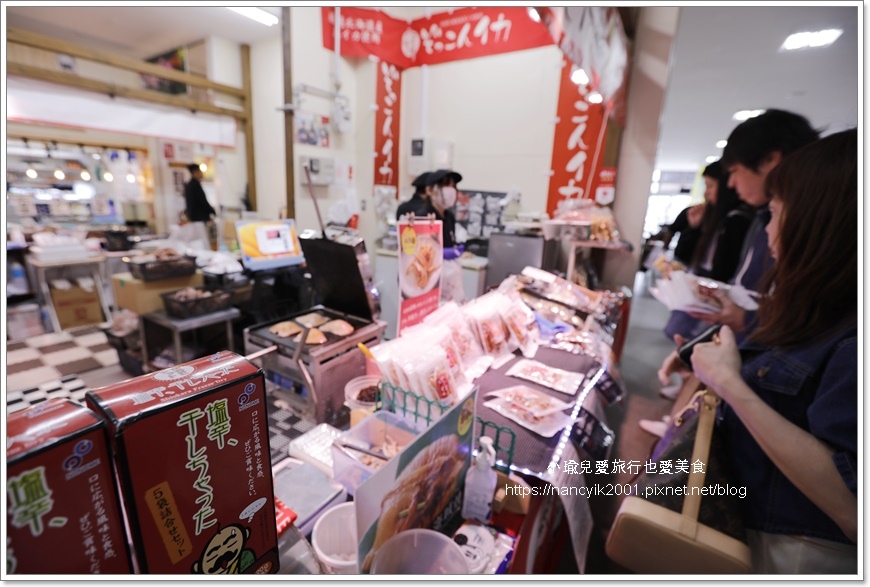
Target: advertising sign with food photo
(420,488)
(420,257)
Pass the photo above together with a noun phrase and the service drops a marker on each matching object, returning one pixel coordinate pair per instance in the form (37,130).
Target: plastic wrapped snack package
(474,361)
(546,426)
(492,334)
(383,354)
(520,322)
(535,402)
(433,378)
(557,379)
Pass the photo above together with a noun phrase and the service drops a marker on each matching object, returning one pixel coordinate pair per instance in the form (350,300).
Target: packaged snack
(63,511)
(557,379)
(536,402)
(520,322)
(492,334)
(191,444)
(433,377)
(474,361)
(546,426)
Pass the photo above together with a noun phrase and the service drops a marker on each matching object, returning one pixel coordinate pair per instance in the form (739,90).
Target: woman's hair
(816,272)
(714,215)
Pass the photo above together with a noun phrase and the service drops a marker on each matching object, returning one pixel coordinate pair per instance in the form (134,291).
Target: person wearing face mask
(442,194)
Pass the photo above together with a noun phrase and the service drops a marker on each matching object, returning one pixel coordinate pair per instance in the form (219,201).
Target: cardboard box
(64,513)
(77,307)
(191,445)
(142,297)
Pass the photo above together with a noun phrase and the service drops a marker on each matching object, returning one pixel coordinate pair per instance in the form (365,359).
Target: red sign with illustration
(388,99)
(578,144)
(420,258)
(447,36)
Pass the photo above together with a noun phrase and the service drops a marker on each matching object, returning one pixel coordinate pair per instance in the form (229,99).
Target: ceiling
(725,58)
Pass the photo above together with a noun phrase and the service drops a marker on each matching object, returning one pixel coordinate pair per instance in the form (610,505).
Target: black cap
(422,180)
(450,173)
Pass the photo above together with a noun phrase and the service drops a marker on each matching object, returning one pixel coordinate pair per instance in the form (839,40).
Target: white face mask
(448,197)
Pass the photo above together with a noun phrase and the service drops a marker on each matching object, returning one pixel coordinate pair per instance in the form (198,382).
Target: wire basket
(163,268)
(218,300)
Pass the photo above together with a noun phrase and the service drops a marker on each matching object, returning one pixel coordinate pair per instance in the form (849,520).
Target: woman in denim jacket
(791,420)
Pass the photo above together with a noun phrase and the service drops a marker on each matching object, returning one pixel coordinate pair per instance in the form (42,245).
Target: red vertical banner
(578,144)
(388,99)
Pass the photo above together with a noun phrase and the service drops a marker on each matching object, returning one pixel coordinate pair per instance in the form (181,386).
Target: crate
(130,341)
(131,362)
(156,270)
(219,300)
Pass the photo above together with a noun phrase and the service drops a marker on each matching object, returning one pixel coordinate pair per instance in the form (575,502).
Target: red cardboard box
(63,512)
(192,449)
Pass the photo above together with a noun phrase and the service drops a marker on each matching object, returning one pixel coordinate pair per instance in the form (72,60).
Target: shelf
(609,245)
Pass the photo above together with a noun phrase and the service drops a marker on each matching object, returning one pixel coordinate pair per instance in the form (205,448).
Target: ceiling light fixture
(743,115)
(579,77)
(59,174)
(257,14)
(657,175)
(85,175)
(31,173)
(721,144)
(131,178)
(654,187)
(533,14)
(203,167)
(108,177)
(811,40)
(711,159)
(595,98)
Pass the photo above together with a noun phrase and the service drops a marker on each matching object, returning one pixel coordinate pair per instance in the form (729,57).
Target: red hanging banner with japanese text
(578,144)
(388,99)
(447,36)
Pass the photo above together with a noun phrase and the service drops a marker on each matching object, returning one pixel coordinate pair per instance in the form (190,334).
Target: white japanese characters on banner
(388,100)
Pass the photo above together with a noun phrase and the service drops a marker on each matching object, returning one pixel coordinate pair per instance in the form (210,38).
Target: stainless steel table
(177,326)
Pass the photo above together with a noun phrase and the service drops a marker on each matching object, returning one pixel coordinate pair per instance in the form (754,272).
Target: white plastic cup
(334,539)
(420,552)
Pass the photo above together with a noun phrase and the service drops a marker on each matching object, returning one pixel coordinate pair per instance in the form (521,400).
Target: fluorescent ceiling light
(746,114)
(711,158)
(533,14)
(811,39)
(654,187)
(257,14)
(595,98)
(579,77)
(657,175)
(721,144)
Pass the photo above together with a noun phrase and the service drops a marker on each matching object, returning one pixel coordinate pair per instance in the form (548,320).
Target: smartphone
(685,351)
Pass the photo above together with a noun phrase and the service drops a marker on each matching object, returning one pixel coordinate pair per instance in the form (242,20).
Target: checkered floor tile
(70,387)
(57,355)
(284,426)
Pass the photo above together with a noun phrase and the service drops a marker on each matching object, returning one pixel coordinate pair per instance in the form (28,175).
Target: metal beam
(288,114)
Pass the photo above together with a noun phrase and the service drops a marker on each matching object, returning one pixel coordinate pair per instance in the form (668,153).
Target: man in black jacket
(197,208)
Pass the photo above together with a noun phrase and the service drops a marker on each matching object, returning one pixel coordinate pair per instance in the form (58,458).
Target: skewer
(260,353)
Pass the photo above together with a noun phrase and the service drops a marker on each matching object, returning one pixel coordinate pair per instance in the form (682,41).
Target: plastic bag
(534,401)
(546,426)
(557,379)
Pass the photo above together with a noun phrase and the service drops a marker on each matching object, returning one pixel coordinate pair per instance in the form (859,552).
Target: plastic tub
(356,385)
(420,552)
(334,539)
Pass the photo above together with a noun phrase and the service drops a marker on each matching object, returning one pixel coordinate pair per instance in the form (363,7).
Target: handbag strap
(700,452)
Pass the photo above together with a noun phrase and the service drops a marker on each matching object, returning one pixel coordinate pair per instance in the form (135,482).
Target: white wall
(498,111)
(311,65)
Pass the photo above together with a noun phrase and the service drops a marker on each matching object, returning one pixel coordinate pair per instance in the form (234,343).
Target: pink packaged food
(63,510)
(547,426)
(536,402)
(557,379)
(191,444)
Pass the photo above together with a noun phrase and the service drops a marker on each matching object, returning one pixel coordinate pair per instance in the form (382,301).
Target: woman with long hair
(790,414)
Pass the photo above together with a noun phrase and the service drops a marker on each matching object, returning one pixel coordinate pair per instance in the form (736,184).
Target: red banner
(366,32)
(578,144)
(388,98)
(421,255)
(447,36)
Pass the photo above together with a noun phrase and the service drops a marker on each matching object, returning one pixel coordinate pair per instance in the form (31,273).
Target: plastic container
(480,482)
(334,539)
(420,552)
(369,434)
(182,309)
(360,409)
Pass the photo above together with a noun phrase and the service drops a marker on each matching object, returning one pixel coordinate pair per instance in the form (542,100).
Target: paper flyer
(420,488)
(420,259)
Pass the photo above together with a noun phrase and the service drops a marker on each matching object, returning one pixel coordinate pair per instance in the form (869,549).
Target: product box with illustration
(63,513)
(192,449)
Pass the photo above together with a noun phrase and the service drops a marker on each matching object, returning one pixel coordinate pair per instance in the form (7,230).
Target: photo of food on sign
(422,269)
(421,488)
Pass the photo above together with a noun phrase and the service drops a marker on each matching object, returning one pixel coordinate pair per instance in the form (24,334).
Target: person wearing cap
(418,204)
(442,198)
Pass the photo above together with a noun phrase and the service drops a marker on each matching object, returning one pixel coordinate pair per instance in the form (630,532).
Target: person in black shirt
(197,207)
(419,202)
